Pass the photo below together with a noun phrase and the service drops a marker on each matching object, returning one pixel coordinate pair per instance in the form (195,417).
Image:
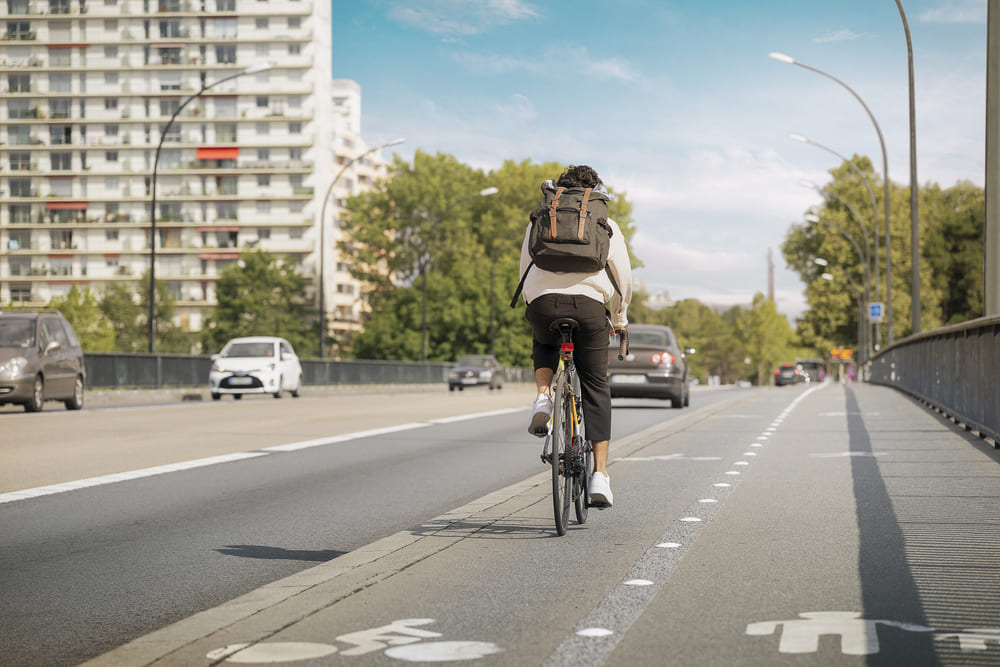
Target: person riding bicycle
(582,296)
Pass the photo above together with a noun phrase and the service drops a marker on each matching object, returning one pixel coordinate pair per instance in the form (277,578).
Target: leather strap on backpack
(552,213)
(583,212)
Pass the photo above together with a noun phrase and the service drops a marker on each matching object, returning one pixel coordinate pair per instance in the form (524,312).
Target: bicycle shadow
(278,553)
(521,528)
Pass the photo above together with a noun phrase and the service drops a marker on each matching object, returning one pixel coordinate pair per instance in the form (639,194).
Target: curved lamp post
(914,224)
(784,58)
(863,346)
(864,179)
(321,287)
(152,211)
(425,262)
(812,217)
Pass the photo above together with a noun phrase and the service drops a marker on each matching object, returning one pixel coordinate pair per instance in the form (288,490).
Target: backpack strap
(520,285)
(552,213)
(583,212)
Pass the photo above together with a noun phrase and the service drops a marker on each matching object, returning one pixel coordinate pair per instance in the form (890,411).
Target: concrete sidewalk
(872,510)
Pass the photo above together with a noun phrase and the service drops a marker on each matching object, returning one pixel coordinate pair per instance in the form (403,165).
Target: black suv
(40,360)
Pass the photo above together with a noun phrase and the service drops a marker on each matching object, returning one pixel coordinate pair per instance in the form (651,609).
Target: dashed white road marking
(595,632)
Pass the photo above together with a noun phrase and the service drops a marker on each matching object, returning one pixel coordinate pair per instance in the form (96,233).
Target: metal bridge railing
(155,371)
(955,369)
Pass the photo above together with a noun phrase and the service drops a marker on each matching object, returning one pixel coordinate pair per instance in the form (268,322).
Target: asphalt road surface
(120,521)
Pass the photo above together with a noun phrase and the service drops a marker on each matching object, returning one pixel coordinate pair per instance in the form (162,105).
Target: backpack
(569,233)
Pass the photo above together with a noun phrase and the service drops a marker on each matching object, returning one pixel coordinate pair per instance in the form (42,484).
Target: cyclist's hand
(623,342)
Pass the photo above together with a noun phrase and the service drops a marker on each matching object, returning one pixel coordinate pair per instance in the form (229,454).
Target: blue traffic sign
(875,311)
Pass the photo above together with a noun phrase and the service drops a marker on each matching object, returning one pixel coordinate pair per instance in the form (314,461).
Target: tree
(952,222)
(262,296)
(766,335)
(428,220)
(126,317)
(82,310)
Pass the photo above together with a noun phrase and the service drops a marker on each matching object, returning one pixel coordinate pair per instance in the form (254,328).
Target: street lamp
(812,217)
(914,187)
(425,261)
(864,231)
(322,244)
(784,58)
(152,212)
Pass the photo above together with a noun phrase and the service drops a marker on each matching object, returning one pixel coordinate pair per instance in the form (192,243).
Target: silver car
(655,366)
(255,365)
(40,360)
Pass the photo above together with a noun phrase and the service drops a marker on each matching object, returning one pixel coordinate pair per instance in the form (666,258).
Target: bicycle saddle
(558,324)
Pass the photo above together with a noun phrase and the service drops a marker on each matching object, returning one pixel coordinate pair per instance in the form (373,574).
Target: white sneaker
(541,415)
(600,490)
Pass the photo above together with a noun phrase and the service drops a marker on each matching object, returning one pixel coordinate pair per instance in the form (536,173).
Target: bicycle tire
(582,497)
(562,483)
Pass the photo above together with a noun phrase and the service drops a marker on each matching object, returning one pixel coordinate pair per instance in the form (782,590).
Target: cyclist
(582,296)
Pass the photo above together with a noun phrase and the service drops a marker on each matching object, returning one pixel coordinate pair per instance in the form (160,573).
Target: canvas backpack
(569,233)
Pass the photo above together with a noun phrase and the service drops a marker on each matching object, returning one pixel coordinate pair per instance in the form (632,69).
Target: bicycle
(571,455)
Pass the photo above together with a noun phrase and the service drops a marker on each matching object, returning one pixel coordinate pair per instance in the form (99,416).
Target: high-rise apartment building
(89,88)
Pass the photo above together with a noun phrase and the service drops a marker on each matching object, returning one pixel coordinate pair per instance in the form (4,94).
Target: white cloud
(839,36)
(460,17)
(958,11)
(564,57)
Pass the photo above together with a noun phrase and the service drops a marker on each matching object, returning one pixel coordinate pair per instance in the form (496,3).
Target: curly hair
(579,176)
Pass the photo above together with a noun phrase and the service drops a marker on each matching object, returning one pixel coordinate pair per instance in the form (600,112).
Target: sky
(678,107)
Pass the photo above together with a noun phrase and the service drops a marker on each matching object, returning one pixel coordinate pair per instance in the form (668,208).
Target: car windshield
(16,332)
(249,350)
(648,338)
(473,360)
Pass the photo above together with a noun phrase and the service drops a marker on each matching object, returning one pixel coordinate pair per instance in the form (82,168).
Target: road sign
(875,311)
(838,355)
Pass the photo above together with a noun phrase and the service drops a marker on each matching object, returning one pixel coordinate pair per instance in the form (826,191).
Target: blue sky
(683,110)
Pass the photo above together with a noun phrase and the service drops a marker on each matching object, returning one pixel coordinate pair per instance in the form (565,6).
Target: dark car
(40,360)
(654,367)
(475,369)
(788,374)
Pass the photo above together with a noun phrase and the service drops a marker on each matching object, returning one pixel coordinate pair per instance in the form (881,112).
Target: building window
(111,78)
(20,239)
(263,129)
(60,57)
(61,239)
(60,161)
(263,180)
(261,23)
(294,49)
(60,83)
(170,29)
(295,128)
(294,153)
(262,101)
(169,107)
(19,83)
(111,51)
(296,233)
(110,102)
(264,206)
(263,233)
(59,108)
(296,206)
(263,154)
(225,210)
(225,5)
(20,187)
(225,54)
(20,292)
(263,50)
(294,22)
(110,183)
(111,130)
(111,156)
(20,161)
(20,214)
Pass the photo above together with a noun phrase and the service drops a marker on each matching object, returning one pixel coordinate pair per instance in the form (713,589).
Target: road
(121,521)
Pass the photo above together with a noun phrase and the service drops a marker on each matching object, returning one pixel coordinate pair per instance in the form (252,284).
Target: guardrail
(156,371)
(954,369)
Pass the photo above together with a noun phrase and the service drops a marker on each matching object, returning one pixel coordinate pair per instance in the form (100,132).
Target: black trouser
(590,343)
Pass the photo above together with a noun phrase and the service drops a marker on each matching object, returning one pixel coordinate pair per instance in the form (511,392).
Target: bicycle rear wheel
(562,478)
(581,499)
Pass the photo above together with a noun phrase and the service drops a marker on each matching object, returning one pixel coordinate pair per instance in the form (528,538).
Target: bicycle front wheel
(580,497)
(562,434)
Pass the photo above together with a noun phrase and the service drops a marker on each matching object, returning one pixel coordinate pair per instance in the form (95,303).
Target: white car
(255,365)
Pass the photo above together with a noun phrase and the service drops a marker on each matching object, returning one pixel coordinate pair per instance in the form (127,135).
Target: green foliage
(429,220)
(951,270)
(82,310)
(127,318)
(262,296)
(766,335)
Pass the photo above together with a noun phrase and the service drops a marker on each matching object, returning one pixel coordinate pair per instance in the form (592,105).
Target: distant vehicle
(40,360)
(814,370)
(475,369)
(655,366)
(788,374)
(255,365)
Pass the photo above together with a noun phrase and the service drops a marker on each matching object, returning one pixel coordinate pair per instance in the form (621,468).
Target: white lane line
(89,482)
(124,476)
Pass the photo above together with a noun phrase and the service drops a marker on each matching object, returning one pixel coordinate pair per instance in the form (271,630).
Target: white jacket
(596,285)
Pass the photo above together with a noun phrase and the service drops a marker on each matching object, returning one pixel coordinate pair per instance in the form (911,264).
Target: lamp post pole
(781,57)
(914,223)
(862,343)
(871,196)
(425,262)
(321,280)
(152,209)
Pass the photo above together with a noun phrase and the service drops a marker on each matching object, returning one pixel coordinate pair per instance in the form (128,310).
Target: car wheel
(37,400)
(298,389)
(76,401)
(216,397)
(461,388)
(281,381)
(451,387)
(677,403)
(237,397)
(687,396)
